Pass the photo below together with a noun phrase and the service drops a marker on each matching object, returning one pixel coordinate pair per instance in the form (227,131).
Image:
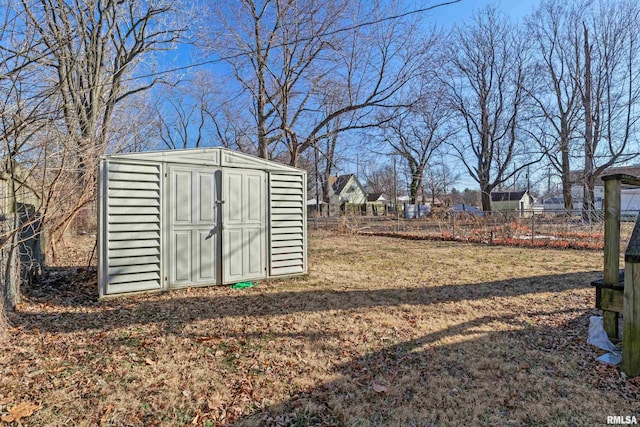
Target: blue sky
(450,14)
(443,17)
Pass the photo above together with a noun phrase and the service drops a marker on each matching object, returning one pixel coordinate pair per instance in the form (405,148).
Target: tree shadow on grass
(470,374)
(71,286)
(179,310)
(525,364)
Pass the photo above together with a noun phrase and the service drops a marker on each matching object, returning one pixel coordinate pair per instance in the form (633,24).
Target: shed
(197,217)
(504,201)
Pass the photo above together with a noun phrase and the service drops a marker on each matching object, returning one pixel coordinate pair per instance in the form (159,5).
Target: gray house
(174,219)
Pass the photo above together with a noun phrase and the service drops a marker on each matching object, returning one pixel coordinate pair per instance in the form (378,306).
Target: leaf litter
(380,332)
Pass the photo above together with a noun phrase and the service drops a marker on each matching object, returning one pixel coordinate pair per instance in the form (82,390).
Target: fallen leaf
(20,410)
(205,339)
(195,420)
(149,361)
(214,402)
(380,388)
(105,416)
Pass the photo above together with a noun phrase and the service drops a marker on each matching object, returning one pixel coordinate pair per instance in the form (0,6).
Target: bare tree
(21,101)
(439,178)
(245,33)
(91,47)
(487,60)
(380,180)
(416,135)
(182,120)
(555,91)
(297,58)
(607,78)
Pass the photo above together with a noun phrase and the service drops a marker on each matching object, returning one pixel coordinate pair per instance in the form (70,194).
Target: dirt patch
(381,331)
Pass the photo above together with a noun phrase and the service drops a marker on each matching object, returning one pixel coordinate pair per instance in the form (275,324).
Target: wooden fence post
(631,306)
(612,190)
(631,316)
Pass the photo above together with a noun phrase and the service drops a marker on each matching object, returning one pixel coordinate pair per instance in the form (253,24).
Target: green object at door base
(242,285)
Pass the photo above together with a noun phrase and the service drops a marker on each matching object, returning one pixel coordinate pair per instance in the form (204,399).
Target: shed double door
(217,225)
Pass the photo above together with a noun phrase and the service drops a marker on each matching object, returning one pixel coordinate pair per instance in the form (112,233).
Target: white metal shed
(198,217)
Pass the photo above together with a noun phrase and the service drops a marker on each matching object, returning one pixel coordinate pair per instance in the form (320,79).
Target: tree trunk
(416,184)
(588,205)
(485,194)
(4,323)
(566,182)
(261,101)
(294,155)
(263,142)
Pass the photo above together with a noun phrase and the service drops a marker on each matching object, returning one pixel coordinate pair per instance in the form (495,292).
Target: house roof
(374,197)
(576,177)
(507,196)
(554,201)
(341,182)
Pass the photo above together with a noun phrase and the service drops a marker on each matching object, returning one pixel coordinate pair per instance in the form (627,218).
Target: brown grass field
(381,332)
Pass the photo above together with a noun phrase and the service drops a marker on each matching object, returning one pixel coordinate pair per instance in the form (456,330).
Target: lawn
(381,332)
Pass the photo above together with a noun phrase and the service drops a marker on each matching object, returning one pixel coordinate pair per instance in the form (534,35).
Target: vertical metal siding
(132,237)
(287,227)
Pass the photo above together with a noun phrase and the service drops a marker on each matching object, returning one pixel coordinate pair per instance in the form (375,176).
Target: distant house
(553,204)
(349,190)
(377,204)
(512,201)
(629,198)
(345,190)
(313,205)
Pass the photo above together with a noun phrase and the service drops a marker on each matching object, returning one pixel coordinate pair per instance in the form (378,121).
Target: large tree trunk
(485,198)
(416,184)
(485,193)
(566,182)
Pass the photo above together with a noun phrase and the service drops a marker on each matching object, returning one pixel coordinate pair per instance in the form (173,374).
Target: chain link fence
(530,229)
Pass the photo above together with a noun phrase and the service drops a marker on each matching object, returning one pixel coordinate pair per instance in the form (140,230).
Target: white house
(629,198)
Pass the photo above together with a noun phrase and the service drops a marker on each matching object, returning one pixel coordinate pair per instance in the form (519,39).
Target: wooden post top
(623,177)
(633,248)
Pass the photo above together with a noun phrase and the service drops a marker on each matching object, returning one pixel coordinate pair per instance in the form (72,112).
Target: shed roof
(507,196)
(216,156)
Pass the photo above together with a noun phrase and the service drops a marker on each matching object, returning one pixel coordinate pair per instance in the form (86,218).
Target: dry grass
(381,332)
